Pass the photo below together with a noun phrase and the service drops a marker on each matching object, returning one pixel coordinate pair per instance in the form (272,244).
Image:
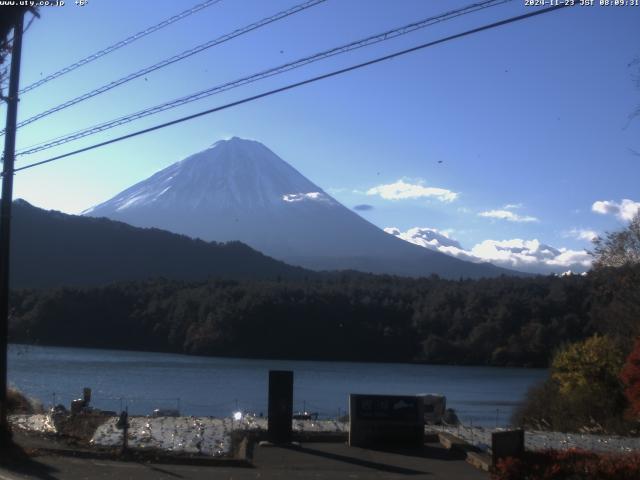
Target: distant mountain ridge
(50,248)
(240,190)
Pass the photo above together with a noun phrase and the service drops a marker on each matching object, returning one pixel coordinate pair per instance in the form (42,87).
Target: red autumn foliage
(574,464)
(630,377)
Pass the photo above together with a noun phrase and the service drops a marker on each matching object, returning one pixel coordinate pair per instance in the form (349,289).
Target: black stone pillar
(280,405)
(509,443)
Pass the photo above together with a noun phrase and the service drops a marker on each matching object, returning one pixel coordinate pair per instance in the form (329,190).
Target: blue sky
(513,133)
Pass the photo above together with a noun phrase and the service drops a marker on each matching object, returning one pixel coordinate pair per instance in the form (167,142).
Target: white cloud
(518,253)
(512,206)
(525,255)
(582,234)
(624,210)
(507,215)
(568,258)
(402,190)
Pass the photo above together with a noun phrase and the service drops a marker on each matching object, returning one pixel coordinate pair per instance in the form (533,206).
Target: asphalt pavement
(308,461)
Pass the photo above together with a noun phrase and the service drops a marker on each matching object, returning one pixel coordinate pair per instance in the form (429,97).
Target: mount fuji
(240,190)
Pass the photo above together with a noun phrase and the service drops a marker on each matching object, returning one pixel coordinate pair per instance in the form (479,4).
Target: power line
(299,84)
(371,40)
(120,44)
(174,59)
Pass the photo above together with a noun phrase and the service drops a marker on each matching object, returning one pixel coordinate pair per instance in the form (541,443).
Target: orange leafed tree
(630,377)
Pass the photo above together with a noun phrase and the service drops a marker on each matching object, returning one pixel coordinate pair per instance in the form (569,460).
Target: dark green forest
(504,321)
(50,248)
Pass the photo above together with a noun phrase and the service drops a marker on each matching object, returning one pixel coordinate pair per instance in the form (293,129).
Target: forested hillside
(501,321)
(50,248)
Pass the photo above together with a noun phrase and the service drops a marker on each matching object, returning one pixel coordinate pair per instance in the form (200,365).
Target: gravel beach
(212,436)
(193,435)
(543,440)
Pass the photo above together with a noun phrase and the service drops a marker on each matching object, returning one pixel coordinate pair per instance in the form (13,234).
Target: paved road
(311,461)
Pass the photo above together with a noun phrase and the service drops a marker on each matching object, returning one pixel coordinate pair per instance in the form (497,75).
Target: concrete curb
(474,456)
(242,447)
(481,461)
(148,456)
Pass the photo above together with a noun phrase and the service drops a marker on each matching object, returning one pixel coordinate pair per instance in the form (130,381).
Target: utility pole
(5,219)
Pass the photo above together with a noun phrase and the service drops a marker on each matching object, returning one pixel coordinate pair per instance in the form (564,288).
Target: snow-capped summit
(425,237)
(231,174)
(240,190)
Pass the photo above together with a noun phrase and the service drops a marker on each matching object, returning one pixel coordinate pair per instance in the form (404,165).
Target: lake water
(211,386)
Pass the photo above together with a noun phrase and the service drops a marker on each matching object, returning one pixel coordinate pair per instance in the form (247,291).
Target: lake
(213,386)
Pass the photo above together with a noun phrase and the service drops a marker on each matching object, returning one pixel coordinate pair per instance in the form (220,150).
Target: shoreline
(215,386)
(208,436)
(544,440)
(212,436)
(283,359)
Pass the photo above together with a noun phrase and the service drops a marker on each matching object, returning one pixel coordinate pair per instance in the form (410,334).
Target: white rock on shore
(541,440)
(41,423)
(195,435)
(212,436)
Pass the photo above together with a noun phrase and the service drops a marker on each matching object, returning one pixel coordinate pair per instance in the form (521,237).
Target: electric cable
(299,84)
(168,61)
(120,44)
(373,39)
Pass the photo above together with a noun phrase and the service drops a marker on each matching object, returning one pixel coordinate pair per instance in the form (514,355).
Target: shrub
(591,365)
(545,408)
(584,391)
(573,464)
(538,411)
(19,403)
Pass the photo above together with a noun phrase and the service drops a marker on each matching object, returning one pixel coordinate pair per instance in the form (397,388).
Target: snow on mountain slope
(240,190)
(234,173)
(424,237)
(524,255)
